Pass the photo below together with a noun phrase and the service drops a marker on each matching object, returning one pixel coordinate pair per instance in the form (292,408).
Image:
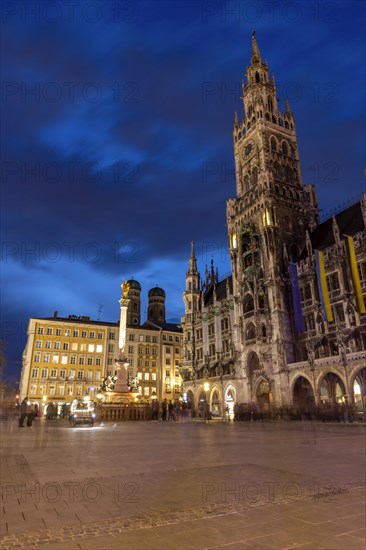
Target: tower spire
(256,56)
(192,268)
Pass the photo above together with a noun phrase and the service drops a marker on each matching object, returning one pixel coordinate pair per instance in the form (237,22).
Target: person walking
(171,411)
(163,409)
(23,412)
(30,415)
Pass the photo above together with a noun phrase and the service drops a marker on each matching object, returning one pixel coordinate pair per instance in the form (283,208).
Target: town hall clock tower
(267,224)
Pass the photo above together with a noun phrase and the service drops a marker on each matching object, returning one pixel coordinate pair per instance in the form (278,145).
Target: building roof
(169,327)
(156,291)
(349,222)
(220,291)
(134,284)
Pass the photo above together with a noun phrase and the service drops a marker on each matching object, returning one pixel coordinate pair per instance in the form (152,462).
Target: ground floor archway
(303,394)
(230,398)
(332,389)
(263,394)
(359,391)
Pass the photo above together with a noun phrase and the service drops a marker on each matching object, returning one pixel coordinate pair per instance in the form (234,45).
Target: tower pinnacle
(192,268)
(256,56)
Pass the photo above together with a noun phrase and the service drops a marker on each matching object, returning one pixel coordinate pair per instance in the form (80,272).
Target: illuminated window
(146,376)
(82,347)
(64,359)
(70,390)
(46,358)
(89,375)
(74,346)
(55,358)
(33,389)
(72,374)
(52,390)
(99,348)
(146,390)
(139,375)
(153,376)
(97,376)
(91,347)
(61,390)
(67,332)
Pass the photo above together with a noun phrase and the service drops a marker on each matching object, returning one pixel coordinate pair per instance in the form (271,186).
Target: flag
(322,285)
(355,275)
(296,298)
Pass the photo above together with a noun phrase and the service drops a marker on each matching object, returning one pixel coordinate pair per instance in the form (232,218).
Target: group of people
(325,412)
(169,411)
(28,412)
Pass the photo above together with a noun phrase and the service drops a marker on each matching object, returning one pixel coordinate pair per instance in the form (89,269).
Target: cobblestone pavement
(169,485)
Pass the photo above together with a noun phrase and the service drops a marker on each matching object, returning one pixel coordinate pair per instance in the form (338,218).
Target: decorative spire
(236,120)
(256,56)
(288,108)
(192,260)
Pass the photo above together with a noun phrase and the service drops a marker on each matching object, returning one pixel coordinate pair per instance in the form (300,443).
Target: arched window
(264,332)
(250,332)
(277,171)
(288,174)
(273,144)
(257,79)
(248,303)
(255,175)
(284,148)
(267,116)
(270,105)
(286,124)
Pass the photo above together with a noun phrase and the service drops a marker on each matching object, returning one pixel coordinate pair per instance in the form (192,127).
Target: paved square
(154,485)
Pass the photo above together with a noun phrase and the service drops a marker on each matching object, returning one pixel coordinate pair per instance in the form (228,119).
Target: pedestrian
(30,415)
(170,411)
(163,409)
(23,412)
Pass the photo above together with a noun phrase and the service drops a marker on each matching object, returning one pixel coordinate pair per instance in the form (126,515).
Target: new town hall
(288,327)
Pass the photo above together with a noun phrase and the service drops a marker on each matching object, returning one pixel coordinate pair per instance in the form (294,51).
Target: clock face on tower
(248,149)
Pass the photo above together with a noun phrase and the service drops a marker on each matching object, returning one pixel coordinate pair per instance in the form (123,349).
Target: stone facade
(243,340)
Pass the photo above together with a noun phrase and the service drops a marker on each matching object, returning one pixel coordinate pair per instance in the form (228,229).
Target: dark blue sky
(117,139)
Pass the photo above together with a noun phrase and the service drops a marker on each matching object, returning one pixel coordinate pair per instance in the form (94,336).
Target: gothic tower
(266,223)
(134,306)
(156,306)
(191,298)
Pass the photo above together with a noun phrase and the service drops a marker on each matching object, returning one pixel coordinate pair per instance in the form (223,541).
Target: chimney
(55,314)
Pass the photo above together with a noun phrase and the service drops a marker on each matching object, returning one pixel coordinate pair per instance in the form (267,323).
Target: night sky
(117,139)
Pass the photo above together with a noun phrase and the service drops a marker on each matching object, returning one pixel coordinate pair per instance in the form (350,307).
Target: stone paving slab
(194,485)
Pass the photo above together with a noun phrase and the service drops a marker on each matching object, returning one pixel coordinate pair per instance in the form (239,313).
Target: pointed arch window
(257,78)
(248,303)
(273,144)
(284,148)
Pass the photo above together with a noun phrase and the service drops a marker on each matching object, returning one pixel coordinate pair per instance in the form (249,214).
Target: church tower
(266,223)
(191,298)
